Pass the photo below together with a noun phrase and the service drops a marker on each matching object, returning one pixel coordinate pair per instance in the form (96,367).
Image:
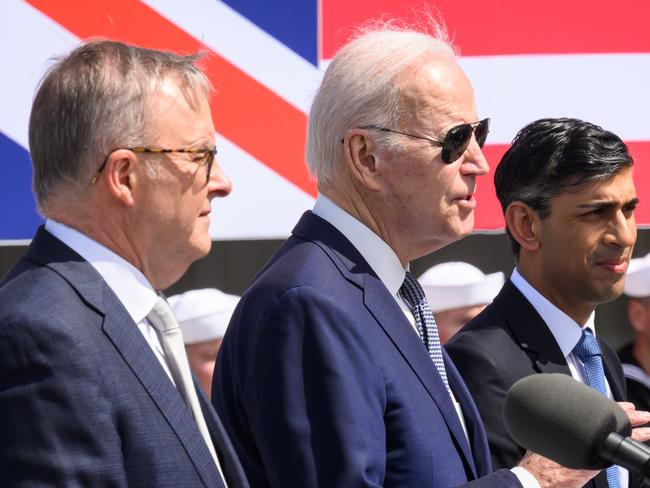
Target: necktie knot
(587,346)
(162,317)
(411,291)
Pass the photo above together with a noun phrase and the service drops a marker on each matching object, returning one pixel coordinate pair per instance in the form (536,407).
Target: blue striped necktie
(412,293)
(588,351)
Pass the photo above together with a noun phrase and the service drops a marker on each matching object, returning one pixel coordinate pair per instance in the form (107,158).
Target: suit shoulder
(40,310)
(298,264)
(487,327)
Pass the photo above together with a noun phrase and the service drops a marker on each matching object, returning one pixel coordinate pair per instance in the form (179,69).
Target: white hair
(361,87)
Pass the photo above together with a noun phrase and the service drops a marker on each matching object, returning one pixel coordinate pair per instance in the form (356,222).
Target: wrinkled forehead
(437,85)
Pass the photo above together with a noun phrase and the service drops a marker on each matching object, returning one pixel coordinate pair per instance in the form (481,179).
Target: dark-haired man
(566,190)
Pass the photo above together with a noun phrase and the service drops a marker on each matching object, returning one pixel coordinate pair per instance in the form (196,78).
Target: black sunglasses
(207,156)
(455,141)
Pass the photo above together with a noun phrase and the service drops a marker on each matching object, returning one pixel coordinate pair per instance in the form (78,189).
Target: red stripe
(244,111)
(488,211)
(489,27)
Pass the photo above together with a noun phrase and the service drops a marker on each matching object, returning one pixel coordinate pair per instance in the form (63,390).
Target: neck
(580,312)
(362,207)
(111,230)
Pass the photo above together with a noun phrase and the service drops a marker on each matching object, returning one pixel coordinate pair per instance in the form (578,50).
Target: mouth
(466,201)
(205,213)
(614,265)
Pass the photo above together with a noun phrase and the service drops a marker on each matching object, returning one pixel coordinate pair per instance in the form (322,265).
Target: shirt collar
(379,255)
(567,332)
(130,286)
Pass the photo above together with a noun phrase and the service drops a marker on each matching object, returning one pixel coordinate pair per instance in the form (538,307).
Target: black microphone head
(562,419)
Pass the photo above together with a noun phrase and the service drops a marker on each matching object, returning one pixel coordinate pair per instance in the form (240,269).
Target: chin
(201,246)
(464,227)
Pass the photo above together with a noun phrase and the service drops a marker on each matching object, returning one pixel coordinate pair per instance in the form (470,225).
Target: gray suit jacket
(83,399)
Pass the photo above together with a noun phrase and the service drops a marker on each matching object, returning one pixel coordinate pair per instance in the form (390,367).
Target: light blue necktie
(588,351)
(412,292)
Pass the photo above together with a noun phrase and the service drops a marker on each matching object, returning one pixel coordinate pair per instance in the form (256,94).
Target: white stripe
(262,205)
(30,40)
(606,89)
(246,46)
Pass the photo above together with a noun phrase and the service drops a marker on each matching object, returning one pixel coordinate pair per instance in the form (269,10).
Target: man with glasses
(568,197)
(95,389)
(331,373)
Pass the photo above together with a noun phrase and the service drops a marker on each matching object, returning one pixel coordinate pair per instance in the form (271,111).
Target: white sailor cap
(457,284)
(637,282)
(203,314)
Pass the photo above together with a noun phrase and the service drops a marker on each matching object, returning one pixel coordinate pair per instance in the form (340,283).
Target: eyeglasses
(456,140)
(207,157)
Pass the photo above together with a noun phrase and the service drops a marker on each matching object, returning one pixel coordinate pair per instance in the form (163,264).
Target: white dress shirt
(567,333)
(130,286)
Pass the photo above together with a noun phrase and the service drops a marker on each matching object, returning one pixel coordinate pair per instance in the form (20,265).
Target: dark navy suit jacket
(83,399)
(322,381)
(504,343)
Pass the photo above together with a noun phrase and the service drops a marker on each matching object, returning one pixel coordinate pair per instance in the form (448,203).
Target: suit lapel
(389,317)
(475,429)
(530,331)
(129,342)
(613,372)
(232,468)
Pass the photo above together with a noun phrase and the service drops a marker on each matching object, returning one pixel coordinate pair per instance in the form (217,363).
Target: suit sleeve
(488,383)
(55,423)
(314,397)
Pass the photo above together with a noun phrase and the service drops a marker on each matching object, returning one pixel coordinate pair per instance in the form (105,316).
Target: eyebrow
(606,205)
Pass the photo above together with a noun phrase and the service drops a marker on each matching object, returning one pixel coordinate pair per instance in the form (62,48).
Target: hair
(93,101)
(361,86)
(551,156)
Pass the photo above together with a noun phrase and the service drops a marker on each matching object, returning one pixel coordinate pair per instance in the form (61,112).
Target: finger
(641,434)
(638,417)
(627,406)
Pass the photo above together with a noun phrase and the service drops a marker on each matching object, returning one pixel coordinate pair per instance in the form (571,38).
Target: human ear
(524,225)
(361,157)
(121,176)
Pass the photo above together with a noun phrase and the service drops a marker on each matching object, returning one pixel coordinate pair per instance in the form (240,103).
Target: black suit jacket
(83,399)
(506,342)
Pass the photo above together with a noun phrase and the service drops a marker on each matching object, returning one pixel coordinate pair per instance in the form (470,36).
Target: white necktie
(169,332)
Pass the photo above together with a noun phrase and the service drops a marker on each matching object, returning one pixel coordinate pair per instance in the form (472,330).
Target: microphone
(566,421)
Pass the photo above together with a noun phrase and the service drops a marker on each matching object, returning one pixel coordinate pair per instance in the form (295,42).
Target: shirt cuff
(526,479)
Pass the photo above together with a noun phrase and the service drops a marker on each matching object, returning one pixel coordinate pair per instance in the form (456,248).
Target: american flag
(581,58)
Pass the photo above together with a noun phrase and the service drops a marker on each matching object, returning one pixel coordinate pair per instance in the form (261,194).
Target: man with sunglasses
(95,389)
(331,373)
(568,198)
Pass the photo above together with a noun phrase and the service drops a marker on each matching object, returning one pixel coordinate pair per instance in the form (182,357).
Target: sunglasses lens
(481,132)
(455,143)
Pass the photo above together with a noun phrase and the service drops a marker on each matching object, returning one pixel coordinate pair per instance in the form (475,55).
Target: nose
(623,231)
(219,184)
(473,160)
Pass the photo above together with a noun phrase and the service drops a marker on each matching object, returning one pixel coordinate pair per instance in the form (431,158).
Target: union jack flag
(582,58)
